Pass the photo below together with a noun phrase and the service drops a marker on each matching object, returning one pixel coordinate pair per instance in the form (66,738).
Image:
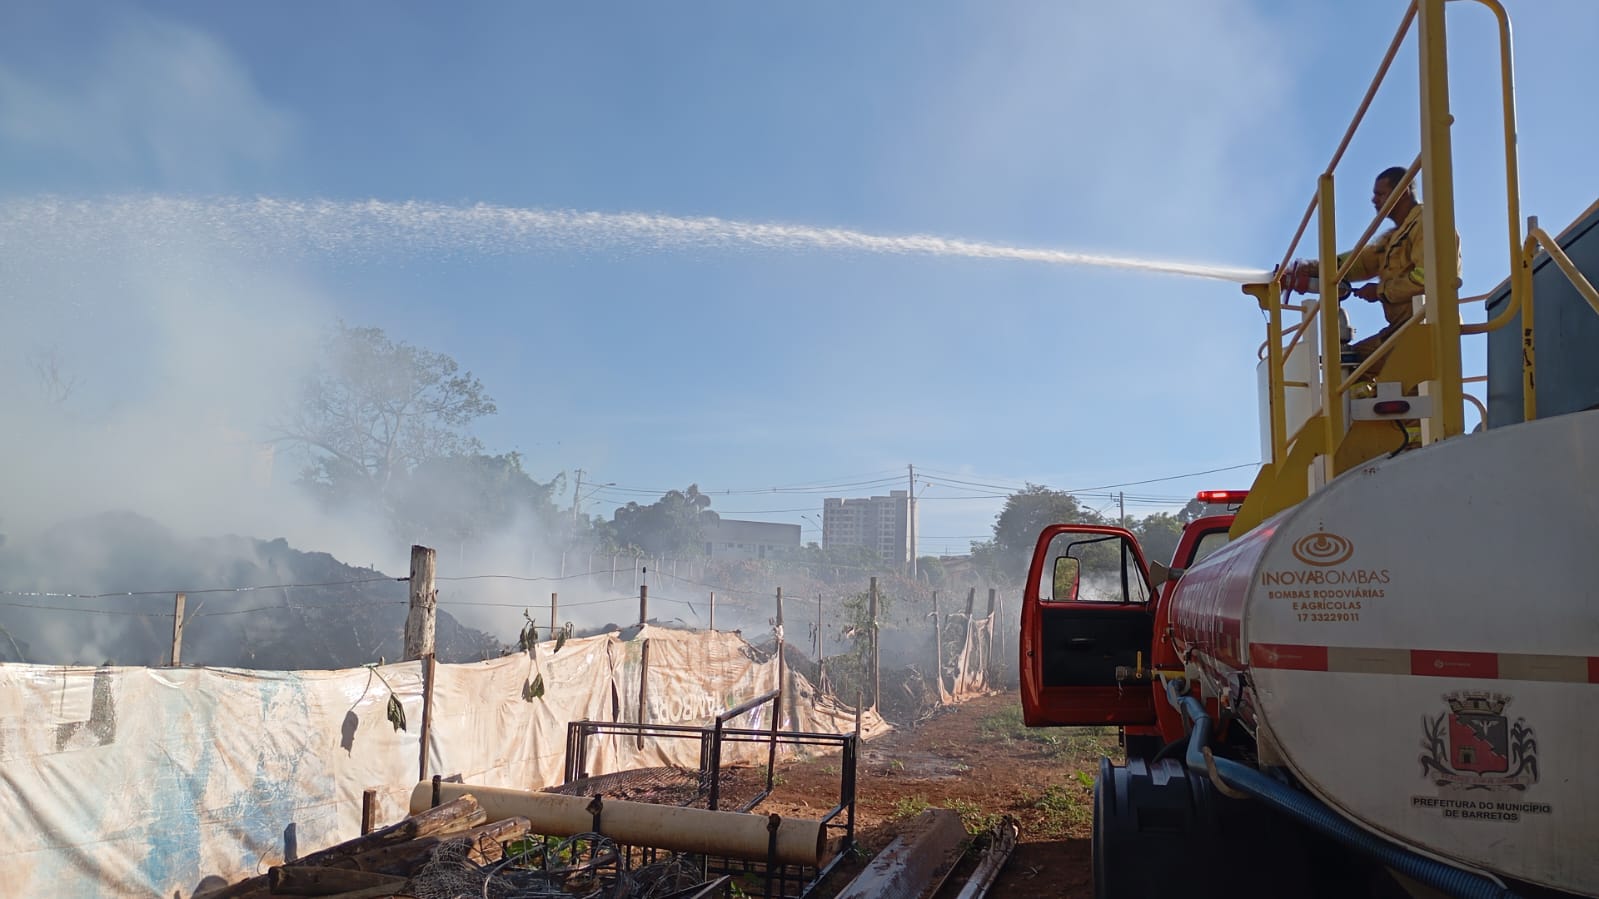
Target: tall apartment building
(879,523)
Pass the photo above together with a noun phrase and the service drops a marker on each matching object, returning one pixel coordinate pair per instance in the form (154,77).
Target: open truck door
(1087,624)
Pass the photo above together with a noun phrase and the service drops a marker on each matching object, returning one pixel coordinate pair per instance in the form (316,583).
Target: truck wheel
(1145,821)
(1158,831)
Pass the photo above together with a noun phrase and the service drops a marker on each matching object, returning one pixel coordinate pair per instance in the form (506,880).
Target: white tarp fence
(146,781)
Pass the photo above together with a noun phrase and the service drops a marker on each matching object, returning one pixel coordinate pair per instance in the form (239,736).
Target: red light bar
(1223,497)
(1391,407)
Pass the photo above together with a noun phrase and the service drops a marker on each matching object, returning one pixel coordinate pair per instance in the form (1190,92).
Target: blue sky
(1164,130)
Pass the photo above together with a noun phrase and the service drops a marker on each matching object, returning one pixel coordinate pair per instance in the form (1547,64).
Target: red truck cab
(1095,614)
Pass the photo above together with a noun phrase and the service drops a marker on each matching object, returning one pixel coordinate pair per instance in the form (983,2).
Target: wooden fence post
(780,661)
(428,674)
(821,648)
(818,627)
(871,615)
(999,611)
(420,621)
(177,630)
(993,635)
(643,691)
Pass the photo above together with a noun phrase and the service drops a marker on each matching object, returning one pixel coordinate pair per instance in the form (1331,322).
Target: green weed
(973,816)
(1063,808)
(910,806)
(1007,728)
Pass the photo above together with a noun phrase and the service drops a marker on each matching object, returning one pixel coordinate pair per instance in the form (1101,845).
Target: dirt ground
(977,759)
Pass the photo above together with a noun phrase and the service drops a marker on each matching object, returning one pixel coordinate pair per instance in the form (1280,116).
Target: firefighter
(1393,259)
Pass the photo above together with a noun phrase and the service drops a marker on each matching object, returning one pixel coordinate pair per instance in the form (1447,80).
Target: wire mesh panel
(739,787)
(584,865)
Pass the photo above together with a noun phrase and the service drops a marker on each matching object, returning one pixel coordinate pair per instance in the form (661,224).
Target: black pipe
(1317,816)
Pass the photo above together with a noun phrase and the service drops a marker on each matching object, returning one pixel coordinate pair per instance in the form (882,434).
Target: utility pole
(910,510)
(577,485)
(1122,498)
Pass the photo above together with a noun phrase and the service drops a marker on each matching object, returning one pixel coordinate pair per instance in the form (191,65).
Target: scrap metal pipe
(730,834)
(916,862)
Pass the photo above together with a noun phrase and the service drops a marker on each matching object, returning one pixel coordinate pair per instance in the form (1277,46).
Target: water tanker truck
(1376,671)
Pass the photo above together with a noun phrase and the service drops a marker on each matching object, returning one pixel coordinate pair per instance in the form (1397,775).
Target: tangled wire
(583,866)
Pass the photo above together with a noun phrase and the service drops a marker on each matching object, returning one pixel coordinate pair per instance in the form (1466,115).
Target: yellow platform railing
(1442,381)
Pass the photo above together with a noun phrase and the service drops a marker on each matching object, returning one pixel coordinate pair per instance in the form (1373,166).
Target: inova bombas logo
(1323,550)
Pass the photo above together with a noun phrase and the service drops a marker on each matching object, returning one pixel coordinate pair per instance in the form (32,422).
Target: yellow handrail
(1520,271)
(1376,355)
(1440,305)
(1517,297)
(1310,311)
(1332,411)
(1309,308)
(1349,133)
(1481,409)
(1573,274)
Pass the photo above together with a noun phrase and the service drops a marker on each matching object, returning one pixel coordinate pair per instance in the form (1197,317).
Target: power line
(932,476)
(276,608)
(870,477)
(40,594)
(535,605)
(514,577)
(848,477)
(952,482)
(1175,477)
(297,608)
(127,612)
(752,491)
(947,481)
(762,511)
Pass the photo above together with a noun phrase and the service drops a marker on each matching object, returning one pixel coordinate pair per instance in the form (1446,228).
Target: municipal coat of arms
(1474,745)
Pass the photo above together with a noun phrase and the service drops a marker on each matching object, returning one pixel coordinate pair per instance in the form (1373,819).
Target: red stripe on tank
(1289,656)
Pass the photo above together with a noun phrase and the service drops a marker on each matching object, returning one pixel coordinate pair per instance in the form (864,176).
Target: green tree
(375,409)
(1158,535)
(459,498)
(1194,509)
(677,523)
(838,564)
(1016,528)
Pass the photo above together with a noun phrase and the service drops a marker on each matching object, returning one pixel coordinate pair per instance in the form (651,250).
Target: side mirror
(1067,570)
(1160,574)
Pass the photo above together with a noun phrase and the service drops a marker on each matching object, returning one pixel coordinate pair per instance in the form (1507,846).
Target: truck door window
(1095,568)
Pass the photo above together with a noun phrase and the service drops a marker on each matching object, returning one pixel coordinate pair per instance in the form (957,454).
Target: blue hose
(1304,808)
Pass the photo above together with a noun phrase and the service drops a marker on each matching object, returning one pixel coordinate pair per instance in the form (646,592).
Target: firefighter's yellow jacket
(1395,259)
